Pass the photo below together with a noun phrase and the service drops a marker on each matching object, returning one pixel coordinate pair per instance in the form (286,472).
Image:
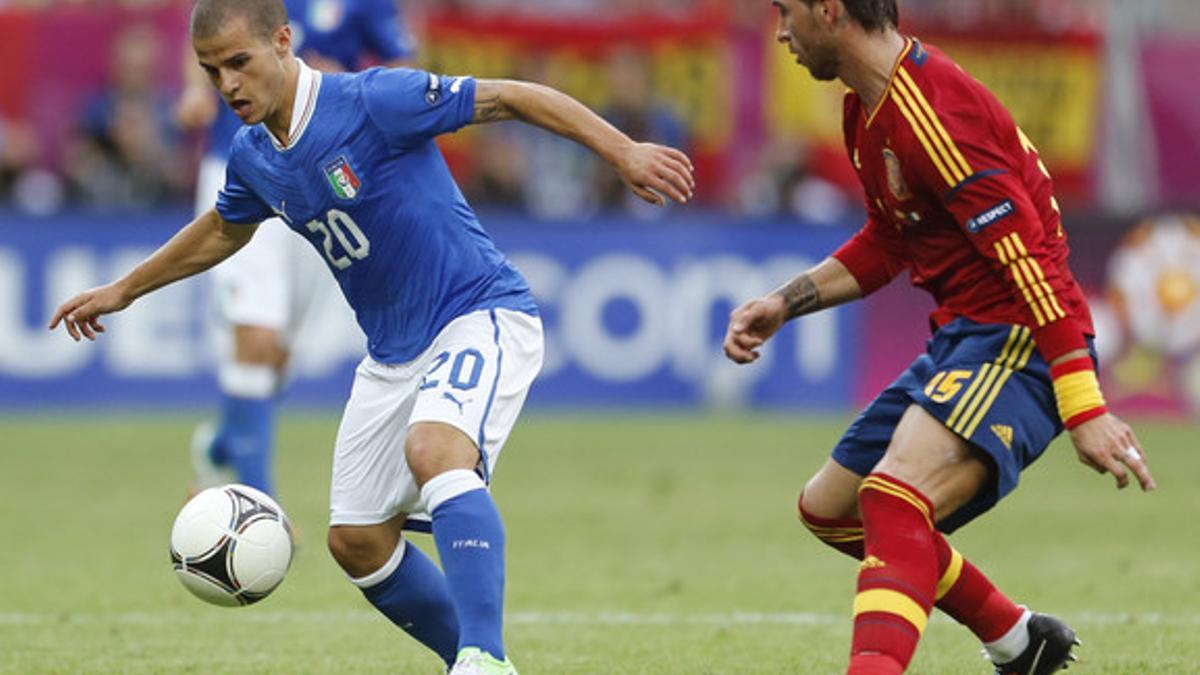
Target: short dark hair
(872,15)
(263,17)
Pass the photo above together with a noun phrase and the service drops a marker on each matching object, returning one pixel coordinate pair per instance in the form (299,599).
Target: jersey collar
(307,87)
(908,45)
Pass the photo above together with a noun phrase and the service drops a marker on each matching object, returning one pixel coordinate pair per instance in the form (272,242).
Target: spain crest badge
(895,177)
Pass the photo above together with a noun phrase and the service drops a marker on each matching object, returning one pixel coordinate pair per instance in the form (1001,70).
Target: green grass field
(637,544)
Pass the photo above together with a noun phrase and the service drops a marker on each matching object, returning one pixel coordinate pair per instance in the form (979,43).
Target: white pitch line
(536,618)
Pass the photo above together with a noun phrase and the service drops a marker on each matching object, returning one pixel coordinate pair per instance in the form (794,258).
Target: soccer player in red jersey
(957,196)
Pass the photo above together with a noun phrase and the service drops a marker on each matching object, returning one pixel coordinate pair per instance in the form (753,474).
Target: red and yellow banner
(686,63)
(1052,86)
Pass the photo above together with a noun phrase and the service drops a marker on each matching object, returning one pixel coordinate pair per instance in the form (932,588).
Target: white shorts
(276,281)
(473,377)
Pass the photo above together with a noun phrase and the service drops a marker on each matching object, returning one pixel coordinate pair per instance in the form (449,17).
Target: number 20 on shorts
(463,373)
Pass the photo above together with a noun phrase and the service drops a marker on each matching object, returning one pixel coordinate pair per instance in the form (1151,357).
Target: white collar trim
(308,85)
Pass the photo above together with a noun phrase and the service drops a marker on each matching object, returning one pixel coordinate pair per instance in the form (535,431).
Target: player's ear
(282,40)
(831,10)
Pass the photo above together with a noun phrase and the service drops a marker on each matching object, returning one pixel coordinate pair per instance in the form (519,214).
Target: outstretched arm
(205,241)
(827,285)
(650,170)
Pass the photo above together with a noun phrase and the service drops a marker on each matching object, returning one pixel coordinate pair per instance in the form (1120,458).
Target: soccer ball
(231,545)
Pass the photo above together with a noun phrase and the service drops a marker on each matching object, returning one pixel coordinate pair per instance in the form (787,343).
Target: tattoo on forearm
(801,295)
(487,108)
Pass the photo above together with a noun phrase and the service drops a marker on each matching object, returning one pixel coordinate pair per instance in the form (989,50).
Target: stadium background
(93,175)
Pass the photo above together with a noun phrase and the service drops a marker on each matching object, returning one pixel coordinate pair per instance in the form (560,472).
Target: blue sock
(217,450)
(470,541)
(246,439)
(416,598)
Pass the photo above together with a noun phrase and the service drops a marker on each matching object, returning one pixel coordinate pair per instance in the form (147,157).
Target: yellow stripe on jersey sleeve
(963,165)
(1039,290)
(920,134)
(1001,254)
(1010,249)
(1029,299)
(1055,310)
(931,132)
(1027,274)
(1037,271)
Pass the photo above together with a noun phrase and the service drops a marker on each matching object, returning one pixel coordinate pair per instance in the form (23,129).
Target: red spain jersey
(957,195)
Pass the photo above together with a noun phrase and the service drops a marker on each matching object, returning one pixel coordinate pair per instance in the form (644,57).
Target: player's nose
(229,83)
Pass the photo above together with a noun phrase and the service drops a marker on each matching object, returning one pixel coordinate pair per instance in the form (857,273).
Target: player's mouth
(241,107)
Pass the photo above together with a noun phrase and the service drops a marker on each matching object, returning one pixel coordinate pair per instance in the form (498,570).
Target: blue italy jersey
(366,185)
(344,31)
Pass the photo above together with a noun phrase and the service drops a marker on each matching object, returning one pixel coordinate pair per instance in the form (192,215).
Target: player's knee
(809,517)
(424,457)
(358,550)
(840,530)
(432,449)
(259,345)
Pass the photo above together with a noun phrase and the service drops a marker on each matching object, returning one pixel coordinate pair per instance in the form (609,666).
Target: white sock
(248,380)
(377,577)
(446,486)
(1011,644)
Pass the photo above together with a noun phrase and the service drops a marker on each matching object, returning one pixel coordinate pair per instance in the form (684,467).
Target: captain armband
(1077,391)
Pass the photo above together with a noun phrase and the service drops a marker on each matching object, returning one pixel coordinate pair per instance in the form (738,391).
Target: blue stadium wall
(634,314)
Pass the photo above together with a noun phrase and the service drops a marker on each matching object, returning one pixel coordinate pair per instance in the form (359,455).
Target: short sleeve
(413,106)
(386,35)
(236,203)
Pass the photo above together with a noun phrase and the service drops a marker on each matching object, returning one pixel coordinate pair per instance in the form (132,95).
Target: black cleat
(1049,650)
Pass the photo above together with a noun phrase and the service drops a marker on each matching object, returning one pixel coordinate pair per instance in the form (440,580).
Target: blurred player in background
(956,195)
(454,340)
(265,292)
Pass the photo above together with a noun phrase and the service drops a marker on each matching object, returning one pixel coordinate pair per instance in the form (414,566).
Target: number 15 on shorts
(947,384)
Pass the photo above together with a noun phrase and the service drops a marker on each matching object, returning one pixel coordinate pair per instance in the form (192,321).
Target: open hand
(81,314)
(751,325)
(654,171)
(1108,445)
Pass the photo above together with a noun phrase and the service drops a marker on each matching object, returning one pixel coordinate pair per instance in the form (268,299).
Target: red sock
(898,577)
(844,534)
(963,592)
(969,597)
(874,664)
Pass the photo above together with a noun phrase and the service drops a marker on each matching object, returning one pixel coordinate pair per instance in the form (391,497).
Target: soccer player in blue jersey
(267,291)
(348,161)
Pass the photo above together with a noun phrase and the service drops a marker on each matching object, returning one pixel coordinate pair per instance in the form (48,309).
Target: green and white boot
(474,661)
